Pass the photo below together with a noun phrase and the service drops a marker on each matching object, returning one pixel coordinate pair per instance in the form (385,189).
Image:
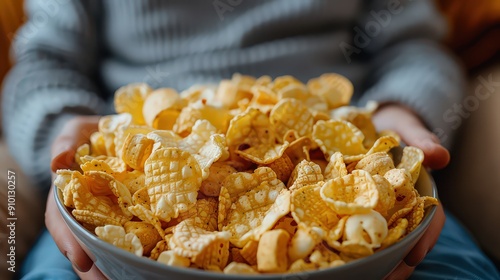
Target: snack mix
(250,176)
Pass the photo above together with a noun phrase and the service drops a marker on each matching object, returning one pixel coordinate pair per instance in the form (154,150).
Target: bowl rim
(147,262)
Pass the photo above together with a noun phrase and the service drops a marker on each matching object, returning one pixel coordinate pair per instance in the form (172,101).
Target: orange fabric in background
(475,29)
(11,17)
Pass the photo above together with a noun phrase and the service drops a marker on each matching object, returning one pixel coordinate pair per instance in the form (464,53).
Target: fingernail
(77,267)
(72,263)
(435,139)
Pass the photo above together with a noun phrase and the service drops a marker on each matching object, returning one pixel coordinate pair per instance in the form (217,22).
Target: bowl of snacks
(250,179)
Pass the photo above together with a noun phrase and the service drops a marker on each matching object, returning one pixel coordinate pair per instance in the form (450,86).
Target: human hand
(74,133)
(414,133)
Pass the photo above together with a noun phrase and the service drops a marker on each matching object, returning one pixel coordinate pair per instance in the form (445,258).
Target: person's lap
(45,261)
(455,256)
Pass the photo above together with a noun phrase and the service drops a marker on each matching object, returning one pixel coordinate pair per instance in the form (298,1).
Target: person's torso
(179,43)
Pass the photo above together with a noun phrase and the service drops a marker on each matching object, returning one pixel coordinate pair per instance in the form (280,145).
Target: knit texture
(72,56)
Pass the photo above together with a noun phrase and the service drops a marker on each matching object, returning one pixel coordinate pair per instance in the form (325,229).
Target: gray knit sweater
(73,54)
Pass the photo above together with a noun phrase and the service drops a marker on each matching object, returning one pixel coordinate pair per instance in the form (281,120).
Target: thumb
(74,133)
(63,153)
(414,133)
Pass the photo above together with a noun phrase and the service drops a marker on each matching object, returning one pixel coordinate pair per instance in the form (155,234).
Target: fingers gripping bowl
(245,179)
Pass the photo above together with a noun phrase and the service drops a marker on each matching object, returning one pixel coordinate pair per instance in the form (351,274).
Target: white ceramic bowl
(118,264)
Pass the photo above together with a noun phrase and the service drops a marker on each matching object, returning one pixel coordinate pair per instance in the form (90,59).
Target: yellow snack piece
(338,136)
(305,173)
(387,196)
(146,233)
(203,214)
(94,208)
(241,182)
(300,266)
(63,178)
(97,144)
(309,209)
(271,252)
(395,233)
(91,219)
(281,82)
(204,248)
(257,210)
(405,194)
(323,257)
(116,235)
(249,252)
(217,173)
(251,136)
(416,215)
(109,126)
(411,161)
(239,268)
(83,150)
(197,93)
(172,259)
(136,150)
(159,101)
(223,207)
(123,132)
(231,91)
(336,90)
(141,197)
(173,178)
(351,251)
(283,167)
(164,139)
(290,114)
(354,193)
(298,150)
(160,247)
(204,144)
(361,118)
(186,119)
(147,216)
(99,182)
(371,224)
(130,99)
(263,95)
(133,180)
(376,164)
(335,167)
(97,165)
(303,242)
(383,144)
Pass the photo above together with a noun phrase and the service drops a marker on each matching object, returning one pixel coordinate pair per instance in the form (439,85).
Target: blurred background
(469,187)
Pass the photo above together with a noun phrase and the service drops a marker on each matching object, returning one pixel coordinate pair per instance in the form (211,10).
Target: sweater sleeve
(408,64)
(56,54)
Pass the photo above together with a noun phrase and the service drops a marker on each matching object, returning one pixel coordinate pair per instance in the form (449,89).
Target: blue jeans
(45,261)
(455,256)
